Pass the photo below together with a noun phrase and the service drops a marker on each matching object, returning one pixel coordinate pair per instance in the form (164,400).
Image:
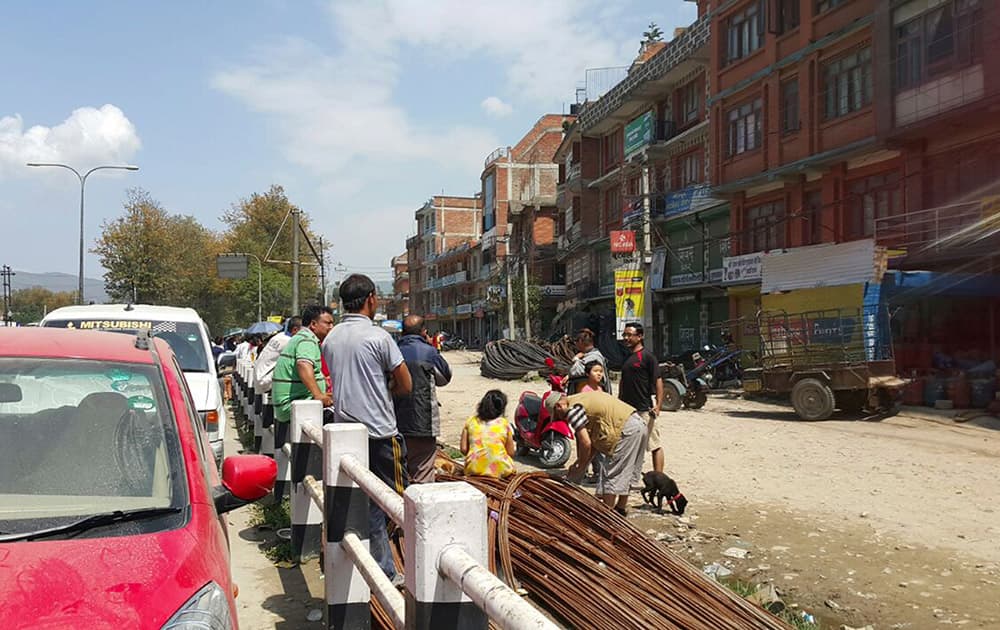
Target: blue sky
(360,110)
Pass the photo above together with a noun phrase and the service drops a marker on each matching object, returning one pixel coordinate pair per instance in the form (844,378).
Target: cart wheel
(697,401)
(671,397)
(852,400)
(812,399)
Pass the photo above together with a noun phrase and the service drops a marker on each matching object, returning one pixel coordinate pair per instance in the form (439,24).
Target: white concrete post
(346,507)
(307,459)
(267,427)
(439,515)
(258,418)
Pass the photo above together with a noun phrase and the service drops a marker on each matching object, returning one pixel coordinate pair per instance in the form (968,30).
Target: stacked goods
(512,360)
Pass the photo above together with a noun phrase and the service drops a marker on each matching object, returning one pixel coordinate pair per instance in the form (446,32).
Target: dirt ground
(891,523)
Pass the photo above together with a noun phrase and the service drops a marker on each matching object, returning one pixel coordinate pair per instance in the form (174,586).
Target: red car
(110,502)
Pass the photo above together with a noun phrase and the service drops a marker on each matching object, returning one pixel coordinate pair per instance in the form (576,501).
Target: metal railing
(951,230)
(498,153)
(324,469)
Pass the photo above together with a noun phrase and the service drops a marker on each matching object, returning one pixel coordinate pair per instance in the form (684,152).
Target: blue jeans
(387,459)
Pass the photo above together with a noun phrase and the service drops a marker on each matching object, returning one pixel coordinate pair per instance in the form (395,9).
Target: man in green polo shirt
(299,372)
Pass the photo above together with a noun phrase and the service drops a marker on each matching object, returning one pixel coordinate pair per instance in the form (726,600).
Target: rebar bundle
(511,360)
(588,567)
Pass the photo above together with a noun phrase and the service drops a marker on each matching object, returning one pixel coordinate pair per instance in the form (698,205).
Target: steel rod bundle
(591,568)
(511,360)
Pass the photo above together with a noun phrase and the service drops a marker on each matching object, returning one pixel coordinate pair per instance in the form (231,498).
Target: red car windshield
(82,437)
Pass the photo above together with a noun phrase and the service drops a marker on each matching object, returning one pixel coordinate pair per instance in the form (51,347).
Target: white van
(187,335)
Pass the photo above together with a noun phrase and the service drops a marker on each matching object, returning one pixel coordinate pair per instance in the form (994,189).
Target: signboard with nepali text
(639,133)
(745,268)
(622,241)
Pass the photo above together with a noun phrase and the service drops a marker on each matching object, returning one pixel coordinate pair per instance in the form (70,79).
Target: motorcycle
(690,386)
(536,432)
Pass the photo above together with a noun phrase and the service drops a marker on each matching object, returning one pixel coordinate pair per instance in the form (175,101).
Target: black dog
(659,487)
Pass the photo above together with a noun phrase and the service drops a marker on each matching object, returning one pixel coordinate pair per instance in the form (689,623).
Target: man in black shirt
(640,381)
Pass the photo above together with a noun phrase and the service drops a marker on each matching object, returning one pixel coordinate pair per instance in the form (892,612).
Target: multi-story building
(443,223)
(519,216)
(937,209)
(850,120)
(637,159)
(794,143)
(399,305)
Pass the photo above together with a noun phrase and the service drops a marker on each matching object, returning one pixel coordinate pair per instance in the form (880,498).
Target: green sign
(639,133)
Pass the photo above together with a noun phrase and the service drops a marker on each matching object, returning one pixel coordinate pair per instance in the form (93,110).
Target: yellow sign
(629,291)
(277,319)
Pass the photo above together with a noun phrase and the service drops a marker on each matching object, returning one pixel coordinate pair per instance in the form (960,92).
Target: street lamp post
(83,184)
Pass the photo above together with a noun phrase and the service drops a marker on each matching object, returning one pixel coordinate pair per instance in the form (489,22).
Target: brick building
(848,120)
(398,306)
(519,217)
(444,223)
(637,159)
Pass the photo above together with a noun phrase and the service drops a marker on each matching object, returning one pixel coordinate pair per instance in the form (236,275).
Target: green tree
(135,251)
(654,34)
(31,304)
(252,225)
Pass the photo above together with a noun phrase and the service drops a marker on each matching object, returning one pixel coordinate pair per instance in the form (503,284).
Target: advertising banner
(628,297)
(639,133)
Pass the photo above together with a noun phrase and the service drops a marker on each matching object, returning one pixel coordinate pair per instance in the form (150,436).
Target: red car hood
(134,581)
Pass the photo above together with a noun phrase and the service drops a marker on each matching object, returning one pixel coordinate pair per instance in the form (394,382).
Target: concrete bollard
(346,507)
(267,427)
(306,459)
(439,515)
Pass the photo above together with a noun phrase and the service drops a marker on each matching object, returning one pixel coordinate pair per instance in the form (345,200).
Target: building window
(786,15)
(690,103)
(614,147)
(689,169)
(869,199)
(937,42)
(823,6)
(744,125)
(790,106)
(745,31)
(765,227)
(613,205)
(847,83)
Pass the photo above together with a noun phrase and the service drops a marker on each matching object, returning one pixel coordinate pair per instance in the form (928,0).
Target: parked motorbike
(453,342)
(684,387)
(536,432)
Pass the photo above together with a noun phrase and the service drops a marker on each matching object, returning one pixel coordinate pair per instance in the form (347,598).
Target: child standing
(488,440)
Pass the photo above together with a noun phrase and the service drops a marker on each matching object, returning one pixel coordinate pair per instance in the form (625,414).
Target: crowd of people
(361,374)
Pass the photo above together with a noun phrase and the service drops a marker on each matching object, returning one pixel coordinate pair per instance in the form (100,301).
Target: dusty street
(890,523)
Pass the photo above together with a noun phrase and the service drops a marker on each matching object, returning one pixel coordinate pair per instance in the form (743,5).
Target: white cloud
(338,114)
(493,106)
(87,136)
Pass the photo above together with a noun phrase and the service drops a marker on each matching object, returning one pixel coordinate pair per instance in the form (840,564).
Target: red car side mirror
(245,478)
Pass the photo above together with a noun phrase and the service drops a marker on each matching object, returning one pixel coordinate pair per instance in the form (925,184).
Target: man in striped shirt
(603,424)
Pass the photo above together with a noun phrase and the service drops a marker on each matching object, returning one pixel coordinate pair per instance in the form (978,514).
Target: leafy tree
(135,251)
(654,34)
(252,225)
(31,304)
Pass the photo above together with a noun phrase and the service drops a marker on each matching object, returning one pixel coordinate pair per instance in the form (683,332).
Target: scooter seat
(532,405)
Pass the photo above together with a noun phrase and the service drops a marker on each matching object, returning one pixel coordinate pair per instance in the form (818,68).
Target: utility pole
(6,274)
(295,261)
(510,290)
(645,260)
(524,267)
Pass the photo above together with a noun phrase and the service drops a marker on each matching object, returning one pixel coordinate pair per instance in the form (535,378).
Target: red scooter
(536,432)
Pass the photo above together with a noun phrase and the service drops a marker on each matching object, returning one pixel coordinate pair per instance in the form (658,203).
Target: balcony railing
(571,237)
(500,152)
(952,231)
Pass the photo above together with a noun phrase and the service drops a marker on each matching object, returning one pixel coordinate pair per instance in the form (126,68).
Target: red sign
(622,241)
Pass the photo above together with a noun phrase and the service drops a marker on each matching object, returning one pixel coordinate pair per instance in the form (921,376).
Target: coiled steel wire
(511,360)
